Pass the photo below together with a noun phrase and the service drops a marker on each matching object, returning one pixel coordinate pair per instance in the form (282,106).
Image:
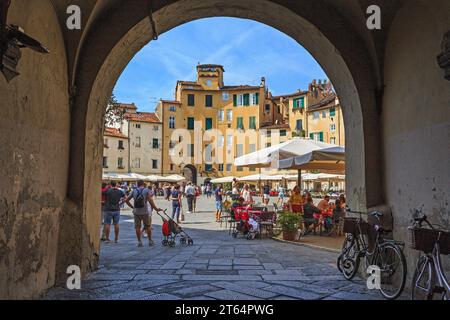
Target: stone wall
(416,118)
(34,159)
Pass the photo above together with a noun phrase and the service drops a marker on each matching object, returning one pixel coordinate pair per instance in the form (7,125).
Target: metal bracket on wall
(444,58)
(12,39)
(152,21)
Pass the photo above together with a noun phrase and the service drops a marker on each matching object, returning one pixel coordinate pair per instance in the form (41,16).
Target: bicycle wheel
(392,264)
(421,282)
(350,259)
(345,247)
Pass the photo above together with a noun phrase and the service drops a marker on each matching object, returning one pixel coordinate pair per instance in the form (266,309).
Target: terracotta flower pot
(290,235)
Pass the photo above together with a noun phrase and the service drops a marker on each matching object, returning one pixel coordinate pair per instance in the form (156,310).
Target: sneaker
(151,243)
(107,241)
(144,235)
(140,245)
(116,241)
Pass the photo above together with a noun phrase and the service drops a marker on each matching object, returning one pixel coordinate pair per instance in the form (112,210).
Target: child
(253,228)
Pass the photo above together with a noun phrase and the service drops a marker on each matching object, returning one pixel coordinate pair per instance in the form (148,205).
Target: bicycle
(386,254)
(429,279)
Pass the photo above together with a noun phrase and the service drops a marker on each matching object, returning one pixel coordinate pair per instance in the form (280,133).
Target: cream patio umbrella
(330,159)
(173,178)
(223,180)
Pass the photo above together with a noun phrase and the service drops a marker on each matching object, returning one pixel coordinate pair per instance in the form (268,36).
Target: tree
(114,114)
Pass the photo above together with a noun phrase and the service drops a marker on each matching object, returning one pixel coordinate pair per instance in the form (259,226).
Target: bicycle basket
(351,226)
(423,239)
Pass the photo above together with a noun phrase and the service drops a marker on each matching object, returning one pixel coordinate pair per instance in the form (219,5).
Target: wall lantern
(444,57)
(12,39)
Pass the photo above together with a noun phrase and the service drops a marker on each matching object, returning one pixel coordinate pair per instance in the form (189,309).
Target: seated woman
(296,201)
(309,209)
(247,195)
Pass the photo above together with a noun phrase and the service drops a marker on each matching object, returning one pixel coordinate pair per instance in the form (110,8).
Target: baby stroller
(243,224)
(170,231)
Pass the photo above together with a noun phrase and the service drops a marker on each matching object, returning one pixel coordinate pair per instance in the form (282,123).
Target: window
(269,133)
(172,108)
(191,150)
(252,169)
(190,123)
(229,115)
(172,167)
(267,107)
(229,167)
(299,103)
(172,144)
(229,140)
(138,142)
(137,126)
(235,100)
(120,163)
(332,127)
(332,112)
(155,164)
(137,163)
(191,100)
(155,144)
(171,122)
(239,150)
(255,99)
(155,128)
(252,123)
(221,167)
(208,123)
(239,169)
(246,98)
(240,100)
(317,136)
(268,145)
(316,115)
(208,167)
(120,147)
(220,115)
(208,153)
(333,140)
(208,101)
(324,114)
(252,148)
(299,125)
(240,123)
(105,162)
(225,96)
(220,141)
(283,133)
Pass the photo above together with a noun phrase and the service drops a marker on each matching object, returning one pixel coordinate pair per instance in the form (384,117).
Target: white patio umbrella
(173,178)
(261,177)
(154,178)
(223,180)
(331,159)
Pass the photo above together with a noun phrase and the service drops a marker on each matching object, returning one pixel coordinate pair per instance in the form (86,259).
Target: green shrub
(289,221)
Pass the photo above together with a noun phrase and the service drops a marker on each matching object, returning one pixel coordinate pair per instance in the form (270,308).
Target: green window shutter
(302,102)
(332,112)
(191,100)
(208,101)
(190,124)
(252,123)
(246,99)
(208,123)
(235,100)
(321,136)
(240,123)
(311,136)
(296,103)
(257,98)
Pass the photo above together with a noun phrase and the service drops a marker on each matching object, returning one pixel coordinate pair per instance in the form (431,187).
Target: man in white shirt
(190,196)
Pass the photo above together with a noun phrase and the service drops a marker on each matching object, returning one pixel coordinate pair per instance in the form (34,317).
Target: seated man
(325,203)
(308,214)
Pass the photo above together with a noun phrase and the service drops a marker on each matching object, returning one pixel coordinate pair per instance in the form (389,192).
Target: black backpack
(139,201)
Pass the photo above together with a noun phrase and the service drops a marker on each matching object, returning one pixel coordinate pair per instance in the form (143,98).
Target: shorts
(142,219)
(111,217)
(266,196)
(219,205)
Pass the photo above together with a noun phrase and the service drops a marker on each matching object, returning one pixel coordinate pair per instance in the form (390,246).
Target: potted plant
(289,223)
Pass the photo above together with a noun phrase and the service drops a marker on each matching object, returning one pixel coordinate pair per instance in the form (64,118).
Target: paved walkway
(217,266)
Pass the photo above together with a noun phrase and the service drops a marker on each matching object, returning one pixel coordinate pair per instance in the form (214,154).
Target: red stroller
(243,227)
(170,231)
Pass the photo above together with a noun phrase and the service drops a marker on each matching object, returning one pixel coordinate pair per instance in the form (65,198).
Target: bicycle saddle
(376,214)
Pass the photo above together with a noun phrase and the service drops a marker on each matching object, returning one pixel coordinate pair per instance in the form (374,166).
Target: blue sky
(247,49)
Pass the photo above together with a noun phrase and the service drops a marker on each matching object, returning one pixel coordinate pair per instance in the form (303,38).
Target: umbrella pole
(299,179)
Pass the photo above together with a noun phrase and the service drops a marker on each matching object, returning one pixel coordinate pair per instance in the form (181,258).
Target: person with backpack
(142,198)
(113,197)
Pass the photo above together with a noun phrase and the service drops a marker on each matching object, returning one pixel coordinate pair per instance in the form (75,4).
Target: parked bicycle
(386,254)
(429,281)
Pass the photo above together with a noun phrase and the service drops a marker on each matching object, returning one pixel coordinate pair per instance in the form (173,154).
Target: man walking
(142,198)
(190,196)
(113,197)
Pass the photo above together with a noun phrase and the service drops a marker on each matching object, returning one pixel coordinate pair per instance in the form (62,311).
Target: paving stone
(217,272)
(248,267)
(255,272)
(272,266)
(296,273)
(157,277)
(174,265)
(95,284)
(149,266)
(295,293)
(194,291)
(221,262)
(185,271)
(245,290)
(130,295)
(246,261)
(111,276)
(229,295)
(284,277)
(352,296)
(220,277)
(220,267)
(162,296)
(196,266)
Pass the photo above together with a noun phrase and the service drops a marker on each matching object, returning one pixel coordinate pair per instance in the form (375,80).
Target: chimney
(263,82)
(310,87)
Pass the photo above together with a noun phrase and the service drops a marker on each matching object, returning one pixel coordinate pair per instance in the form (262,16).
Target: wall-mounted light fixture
(12,39)
(444,57)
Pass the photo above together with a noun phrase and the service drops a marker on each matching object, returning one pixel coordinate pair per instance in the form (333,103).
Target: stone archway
(346,61)
(190,173)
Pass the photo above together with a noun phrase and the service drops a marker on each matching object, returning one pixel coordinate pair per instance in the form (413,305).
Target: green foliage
(289,221)
(114,114)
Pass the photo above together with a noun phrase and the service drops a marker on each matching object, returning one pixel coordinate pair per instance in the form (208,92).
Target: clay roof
(112,132)
(210,66)
(327,102)
(127,106)
(149,117)
(276,126)
(171,101)
(188,83)
(291,95)
(243,87)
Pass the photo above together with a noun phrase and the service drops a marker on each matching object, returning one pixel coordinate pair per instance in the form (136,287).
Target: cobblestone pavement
(217,266)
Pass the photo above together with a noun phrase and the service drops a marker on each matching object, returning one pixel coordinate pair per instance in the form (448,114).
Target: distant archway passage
(190,173)
(126,29)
